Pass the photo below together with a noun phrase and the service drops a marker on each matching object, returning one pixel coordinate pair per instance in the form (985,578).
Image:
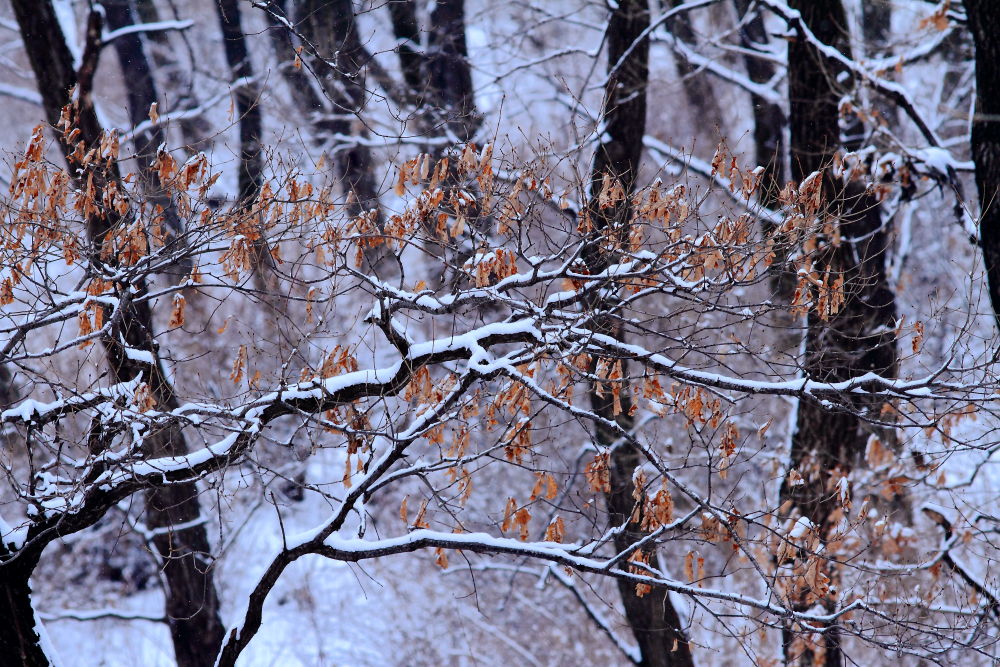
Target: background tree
(857,335)
(986,142)
(141,96)
(652,617)
(331,31)
(172,511)
(585,355)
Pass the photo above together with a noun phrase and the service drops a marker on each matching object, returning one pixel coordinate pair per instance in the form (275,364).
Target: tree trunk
(330,25)
(8,392)
(876,21)
(251,177)
(984,23)
(173,511)
(853,341)
(449,79)
(703,104)
(653,619)
(438,83)
(175,79)
(860,337)
(769,118)
(20,643)
(303,89)
(438,78)
(770,122)
(140,94)
(191,600)
(406,30)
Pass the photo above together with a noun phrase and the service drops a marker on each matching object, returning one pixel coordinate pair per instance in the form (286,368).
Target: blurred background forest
(562,118)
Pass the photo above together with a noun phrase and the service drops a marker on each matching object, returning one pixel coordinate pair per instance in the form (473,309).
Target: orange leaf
(522,517)
(177,314)
(555,531)
(238,365)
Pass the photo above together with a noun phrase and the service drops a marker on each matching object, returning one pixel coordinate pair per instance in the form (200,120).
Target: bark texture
(251,177)
(330,26)
(860,337)
(984,23)
(20,644)
(770,152)
(653,619)
(191,602)
(701,96)
(140,94)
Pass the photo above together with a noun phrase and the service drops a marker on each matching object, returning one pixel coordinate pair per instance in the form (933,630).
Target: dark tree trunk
(406,30)
(438,78)
(857,340)
(140,94)
(330,26)
(769,148)
(876,21)
(9,395)
(653,619)
(814,96)
(251,175)
(438,82)
(192,603)
(624,121)
(860,337)
(175,78)
(20,643)
(191,600)
(304,92)
(53,66)
(769,118)
(452,102)
(8,392)
(853,341)
(984,23)
(247,100)
(702,103)
(140,88)
(449,78)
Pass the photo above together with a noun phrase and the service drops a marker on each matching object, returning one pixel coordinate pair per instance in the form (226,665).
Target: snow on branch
(155,26)
(893,91)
